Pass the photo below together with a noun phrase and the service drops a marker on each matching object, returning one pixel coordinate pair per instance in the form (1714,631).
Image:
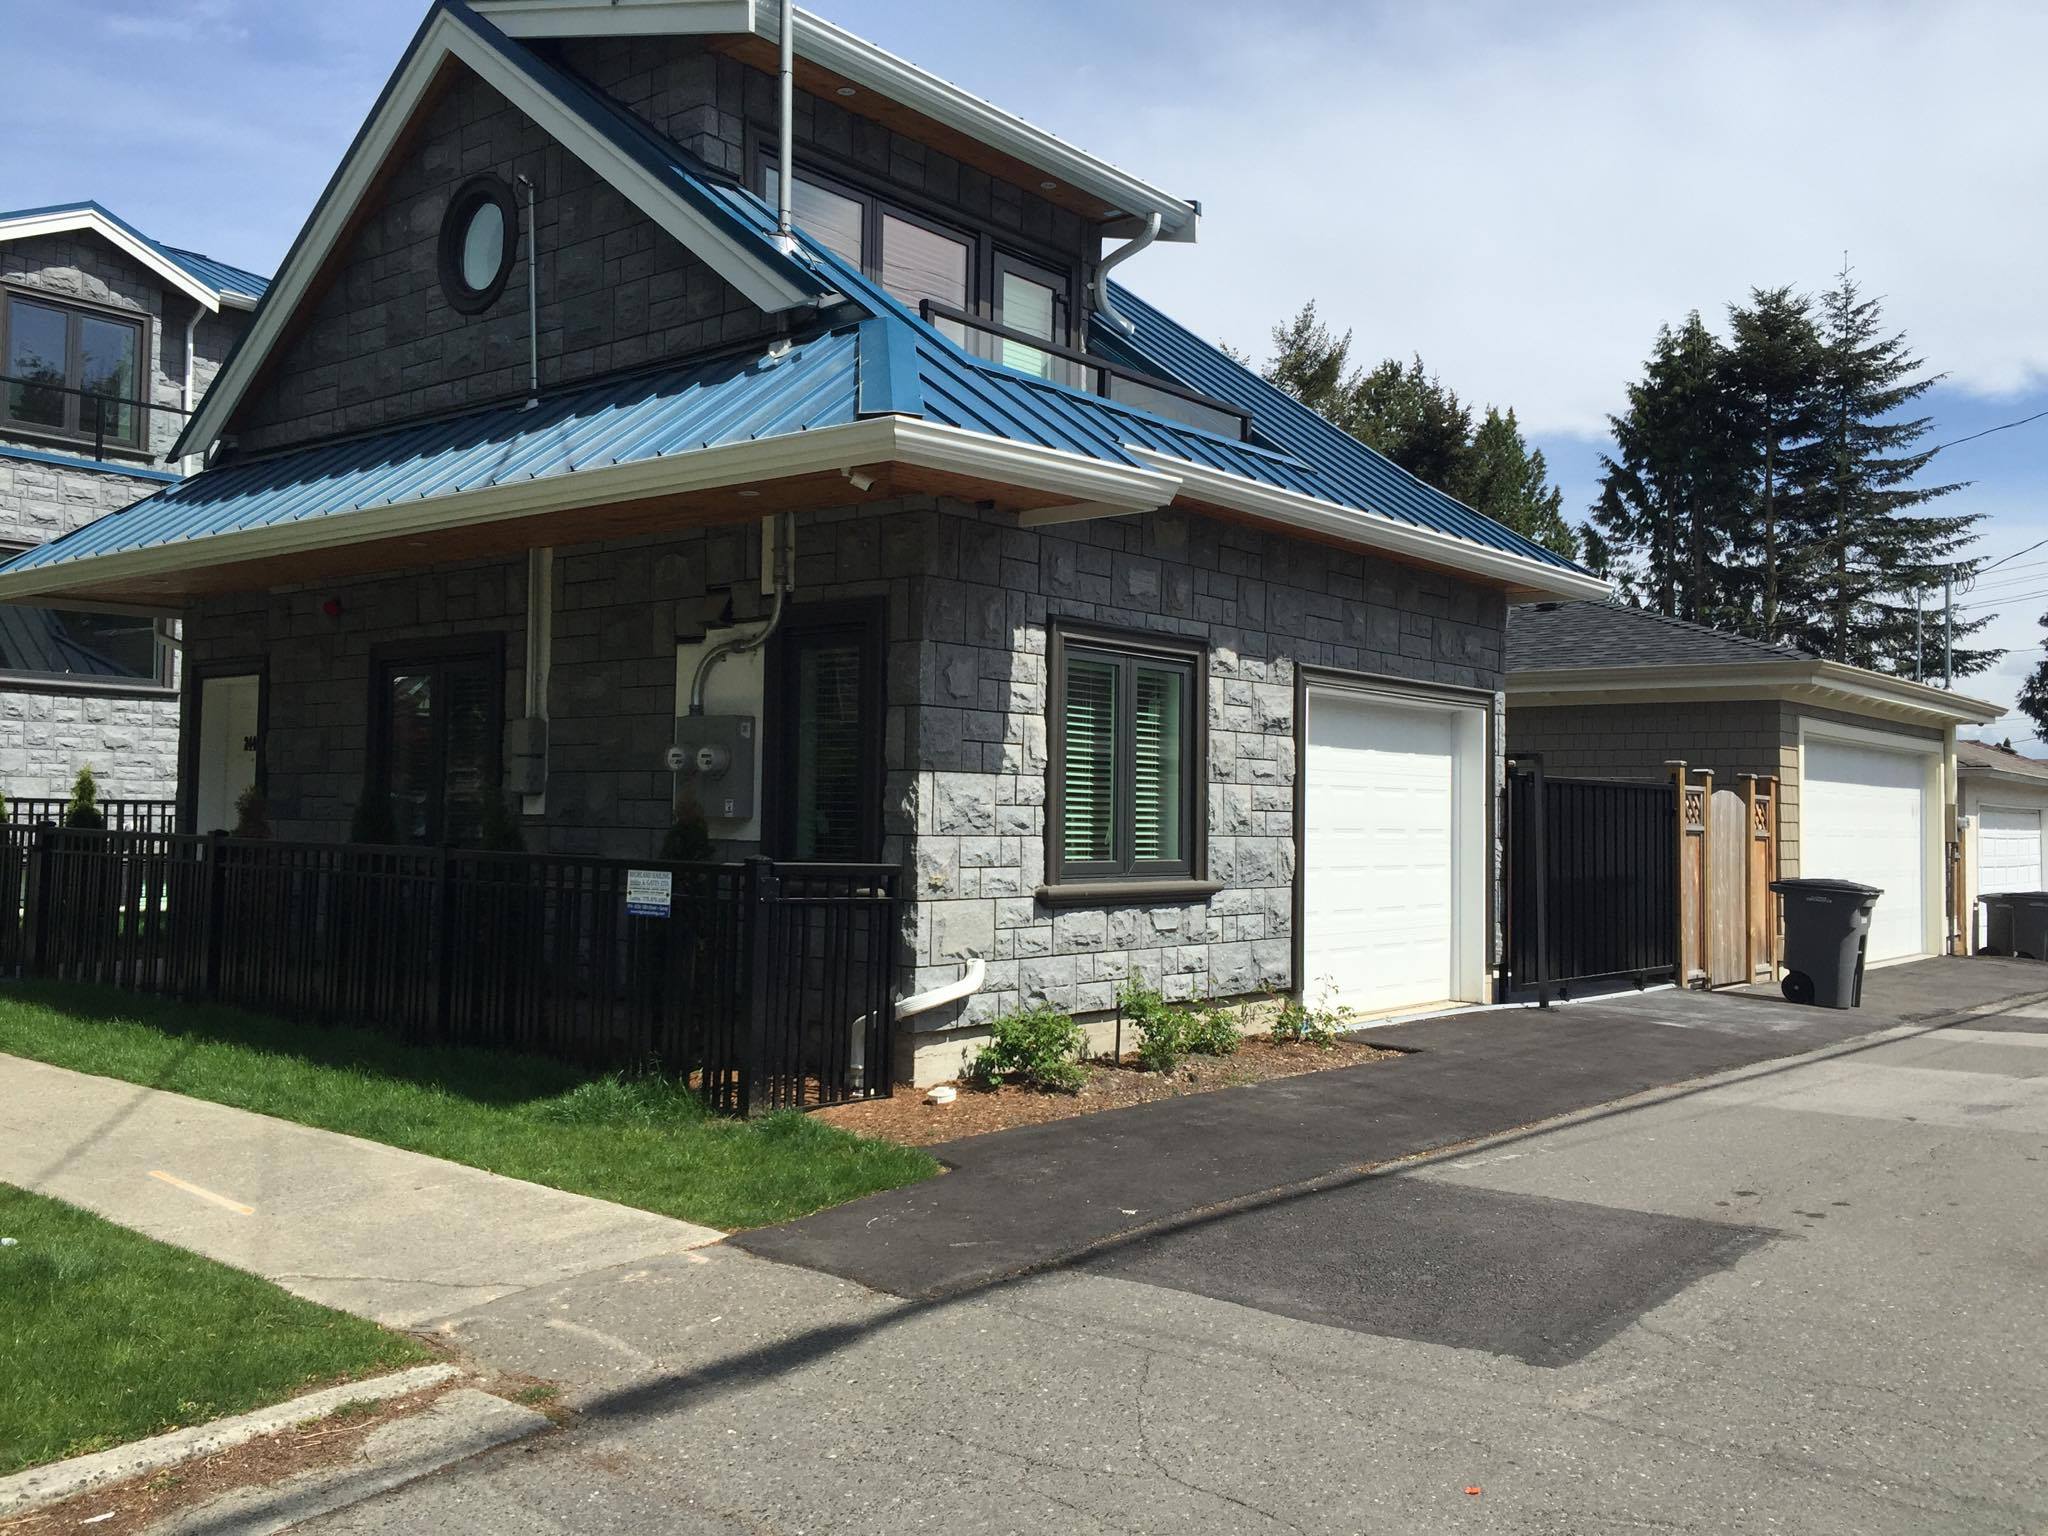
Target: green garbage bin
(2016,923)
(1827,930)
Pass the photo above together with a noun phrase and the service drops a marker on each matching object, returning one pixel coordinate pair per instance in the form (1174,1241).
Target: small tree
(252,815)
(689,838)
(500,832)
(83,811)
(373,821)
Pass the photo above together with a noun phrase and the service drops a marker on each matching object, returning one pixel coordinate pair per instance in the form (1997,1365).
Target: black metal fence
(1592,882)
(765,985)
(121,815)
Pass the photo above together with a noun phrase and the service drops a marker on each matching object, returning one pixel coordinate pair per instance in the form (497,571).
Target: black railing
(97,402)
(1592,882)
(764,985)
(1095,374)
(133,815)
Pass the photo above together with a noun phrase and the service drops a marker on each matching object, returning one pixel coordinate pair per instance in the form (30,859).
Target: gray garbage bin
(2016,923)
(1827,928)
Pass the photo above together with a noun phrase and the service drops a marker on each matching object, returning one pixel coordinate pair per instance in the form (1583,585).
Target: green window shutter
(1088,778)
(1157,772)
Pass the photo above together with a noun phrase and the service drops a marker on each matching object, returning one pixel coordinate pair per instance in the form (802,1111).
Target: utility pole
(1948,626)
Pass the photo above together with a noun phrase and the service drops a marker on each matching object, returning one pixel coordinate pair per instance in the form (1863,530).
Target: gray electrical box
(714,760)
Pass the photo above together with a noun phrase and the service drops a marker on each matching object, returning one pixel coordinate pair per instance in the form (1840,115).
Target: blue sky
(1519,193)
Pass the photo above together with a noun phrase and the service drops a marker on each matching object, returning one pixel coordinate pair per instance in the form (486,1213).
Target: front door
(230,716)
(825,735)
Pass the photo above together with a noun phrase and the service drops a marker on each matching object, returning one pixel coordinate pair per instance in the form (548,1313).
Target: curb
(60,1480)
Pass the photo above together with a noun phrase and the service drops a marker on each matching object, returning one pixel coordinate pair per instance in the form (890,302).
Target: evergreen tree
(1413,418)
(1670,493)
(2033,701)
(1773,367)
(83,809)
(1868,548)
(1507,480)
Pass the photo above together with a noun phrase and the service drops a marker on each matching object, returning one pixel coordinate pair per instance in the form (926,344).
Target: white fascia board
(898,80)
(1824,683)
(617,18)
(445,38)
(878,440)
(1371,530)
(74,219)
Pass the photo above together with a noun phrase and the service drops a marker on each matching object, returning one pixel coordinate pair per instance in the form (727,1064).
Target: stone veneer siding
(382,346)
(49,729)
(969,597)
(1634,741)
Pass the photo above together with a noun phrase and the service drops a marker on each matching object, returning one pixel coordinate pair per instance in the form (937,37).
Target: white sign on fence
(648,892)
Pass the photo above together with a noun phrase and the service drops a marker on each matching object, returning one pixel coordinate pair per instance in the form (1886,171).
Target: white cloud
(1523,196)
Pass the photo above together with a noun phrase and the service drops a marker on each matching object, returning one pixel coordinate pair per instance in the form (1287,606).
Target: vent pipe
(785,149)
(532,297)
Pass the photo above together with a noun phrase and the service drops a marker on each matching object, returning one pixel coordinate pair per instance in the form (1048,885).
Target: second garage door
(1863,815)
(1387,898)
(2008,851)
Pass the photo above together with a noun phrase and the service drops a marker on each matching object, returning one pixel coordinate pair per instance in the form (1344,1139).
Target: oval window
(483,247)
(479,239)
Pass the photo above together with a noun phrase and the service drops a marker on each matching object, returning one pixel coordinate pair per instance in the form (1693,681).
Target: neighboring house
(2004,796)
(1130,662)
(1865,761)
(107,338)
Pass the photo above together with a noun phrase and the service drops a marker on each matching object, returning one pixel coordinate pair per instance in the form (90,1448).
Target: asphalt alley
(1810,1295)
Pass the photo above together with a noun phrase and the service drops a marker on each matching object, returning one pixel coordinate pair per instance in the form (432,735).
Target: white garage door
(1382,888)
(2008,851)
(1863,816)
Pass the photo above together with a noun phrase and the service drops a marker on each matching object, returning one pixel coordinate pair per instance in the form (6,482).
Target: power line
(2002,427)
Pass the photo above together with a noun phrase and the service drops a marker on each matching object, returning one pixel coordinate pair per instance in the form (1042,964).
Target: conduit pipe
(1116,258)
(785,147)
(759,637)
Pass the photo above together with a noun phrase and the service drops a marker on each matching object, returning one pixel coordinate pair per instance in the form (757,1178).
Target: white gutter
(1828,683)
(1374,530)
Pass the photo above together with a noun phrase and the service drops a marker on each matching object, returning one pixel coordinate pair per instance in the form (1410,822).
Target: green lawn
(639,1141)
(107,1336)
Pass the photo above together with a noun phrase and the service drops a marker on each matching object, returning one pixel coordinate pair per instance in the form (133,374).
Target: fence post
(36,951)
(761,888)
(1683,886)
(216,915)
(444,943)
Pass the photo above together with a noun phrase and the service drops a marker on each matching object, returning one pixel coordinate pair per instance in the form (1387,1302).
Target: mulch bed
(908,1119)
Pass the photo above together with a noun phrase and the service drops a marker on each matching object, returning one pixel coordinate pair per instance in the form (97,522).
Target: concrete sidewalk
(389,1235)
(1022,1200)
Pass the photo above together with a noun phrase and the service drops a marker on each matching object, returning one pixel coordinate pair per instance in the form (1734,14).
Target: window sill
(1106,893)
(121,455)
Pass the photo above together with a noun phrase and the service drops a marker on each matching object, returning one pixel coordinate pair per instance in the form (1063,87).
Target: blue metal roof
(1345,469)
(618,421)
(205,270)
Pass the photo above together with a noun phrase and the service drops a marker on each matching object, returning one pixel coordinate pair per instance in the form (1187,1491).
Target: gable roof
(1119,200)
(1545,635)
(211,283)
(1981,757)
(727,233)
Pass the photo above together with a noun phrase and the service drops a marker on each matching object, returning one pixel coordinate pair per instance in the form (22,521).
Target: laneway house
(1131,662)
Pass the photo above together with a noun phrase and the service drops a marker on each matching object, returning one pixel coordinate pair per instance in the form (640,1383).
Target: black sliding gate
(1592,882)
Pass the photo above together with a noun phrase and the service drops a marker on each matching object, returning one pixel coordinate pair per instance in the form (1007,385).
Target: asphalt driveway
(1030,1199)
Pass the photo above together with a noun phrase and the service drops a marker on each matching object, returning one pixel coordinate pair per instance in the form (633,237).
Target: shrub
(84,811)
(1166,1032)
(252,816)
(373,821)
(500,831)
(1300,1023)
(689,838)
(1039,1047)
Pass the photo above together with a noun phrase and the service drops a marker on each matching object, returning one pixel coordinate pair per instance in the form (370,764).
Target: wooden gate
(1727,916)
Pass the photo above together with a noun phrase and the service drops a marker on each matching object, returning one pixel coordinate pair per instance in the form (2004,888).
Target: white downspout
(1110,263)
(185,390)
